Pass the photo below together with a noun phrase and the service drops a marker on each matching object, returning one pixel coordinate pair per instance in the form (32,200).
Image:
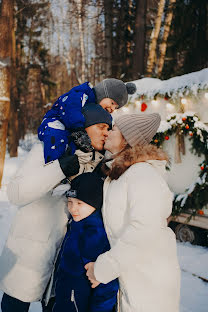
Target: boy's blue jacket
(84,242)
(64,116)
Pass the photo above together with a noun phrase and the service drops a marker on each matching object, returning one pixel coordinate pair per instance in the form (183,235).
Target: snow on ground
(193,259)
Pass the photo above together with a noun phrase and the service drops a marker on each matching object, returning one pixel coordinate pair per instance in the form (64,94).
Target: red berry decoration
(187,126)
(202,167)
(184,118)
(167,137)
(200,212)
(143,107)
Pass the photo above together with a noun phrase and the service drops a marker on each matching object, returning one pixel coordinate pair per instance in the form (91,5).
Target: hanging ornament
(167,137)
(143,107)
(187,126)
(184,118)
(200,212)
(166,97)
(190,133)
(156,141)
(202,167)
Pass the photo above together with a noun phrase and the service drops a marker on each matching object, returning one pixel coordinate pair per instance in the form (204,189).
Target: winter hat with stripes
(138,128)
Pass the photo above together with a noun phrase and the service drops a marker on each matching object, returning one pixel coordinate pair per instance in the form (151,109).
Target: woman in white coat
(137,203)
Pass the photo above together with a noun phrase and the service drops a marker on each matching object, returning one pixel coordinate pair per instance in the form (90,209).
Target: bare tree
(108,5)
(80,9)
(140,35)
(163,45)
(6,21)
(154,38)
(13,133)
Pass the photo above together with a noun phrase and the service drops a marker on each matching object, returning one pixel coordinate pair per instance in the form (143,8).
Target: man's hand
(82,140)
(90,274)
(69,163)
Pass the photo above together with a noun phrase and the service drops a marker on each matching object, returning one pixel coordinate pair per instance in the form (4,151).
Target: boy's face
(79,209)
(109,105)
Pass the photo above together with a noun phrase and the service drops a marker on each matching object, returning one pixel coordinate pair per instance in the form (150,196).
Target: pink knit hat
(138,128)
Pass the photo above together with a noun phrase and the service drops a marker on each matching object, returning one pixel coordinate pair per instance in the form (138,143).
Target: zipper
(74,300)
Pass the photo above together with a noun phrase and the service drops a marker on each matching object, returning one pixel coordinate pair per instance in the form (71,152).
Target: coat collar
(91,219)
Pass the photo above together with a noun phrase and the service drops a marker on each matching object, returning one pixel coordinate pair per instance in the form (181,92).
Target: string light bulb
(125,109)
(169,106)
(184,101)
(155,102)
(138,103)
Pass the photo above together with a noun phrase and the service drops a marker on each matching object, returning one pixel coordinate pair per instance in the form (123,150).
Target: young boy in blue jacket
(65,118)
(85,240)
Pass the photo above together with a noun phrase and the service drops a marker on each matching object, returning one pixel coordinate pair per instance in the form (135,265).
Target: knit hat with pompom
(114,89)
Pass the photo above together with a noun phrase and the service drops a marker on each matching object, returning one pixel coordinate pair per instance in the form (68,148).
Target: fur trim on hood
(132,155)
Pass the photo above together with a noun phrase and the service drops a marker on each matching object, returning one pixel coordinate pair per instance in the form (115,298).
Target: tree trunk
(155,34)
(34,101)
(6,21)
(140,35)
(108,37)
(163,45)
(13,133)
(81,37)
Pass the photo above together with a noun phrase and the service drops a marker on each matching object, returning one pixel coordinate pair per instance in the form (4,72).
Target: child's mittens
(82,140)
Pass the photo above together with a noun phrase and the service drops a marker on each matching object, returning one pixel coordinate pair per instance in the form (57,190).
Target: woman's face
(115,141)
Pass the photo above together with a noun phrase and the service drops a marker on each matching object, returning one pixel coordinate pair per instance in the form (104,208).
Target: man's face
(98,134)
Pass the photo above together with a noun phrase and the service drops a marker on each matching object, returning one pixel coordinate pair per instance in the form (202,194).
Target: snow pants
(10,304)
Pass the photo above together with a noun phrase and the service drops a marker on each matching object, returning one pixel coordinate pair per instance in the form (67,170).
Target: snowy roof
(174,87)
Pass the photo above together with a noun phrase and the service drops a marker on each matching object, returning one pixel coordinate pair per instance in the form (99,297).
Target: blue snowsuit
(84,242)
(64,116)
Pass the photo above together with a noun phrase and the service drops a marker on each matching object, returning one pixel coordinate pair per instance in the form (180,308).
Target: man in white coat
(29,255)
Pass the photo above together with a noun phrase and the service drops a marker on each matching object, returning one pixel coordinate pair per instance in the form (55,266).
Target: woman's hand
(90,274)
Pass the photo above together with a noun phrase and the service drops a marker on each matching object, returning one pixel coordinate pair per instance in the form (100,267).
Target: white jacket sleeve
(34,178)
(144,221)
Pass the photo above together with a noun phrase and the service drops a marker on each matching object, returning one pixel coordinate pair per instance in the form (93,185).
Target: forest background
(49,46)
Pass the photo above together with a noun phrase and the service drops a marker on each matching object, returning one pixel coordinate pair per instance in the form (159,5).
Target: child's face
(79,209)
(109,105)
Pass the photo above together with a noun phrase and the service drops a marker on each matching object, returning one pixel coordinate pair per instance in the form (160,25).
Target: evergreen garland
(196,195)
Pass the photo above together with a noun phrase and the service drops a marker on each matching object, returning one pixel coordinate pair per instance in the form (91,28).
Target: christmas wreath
(188,124)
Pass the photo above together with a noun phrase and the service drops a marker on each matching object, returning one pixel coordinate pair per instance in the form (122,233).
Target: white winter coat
(143,249)
(39,226)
